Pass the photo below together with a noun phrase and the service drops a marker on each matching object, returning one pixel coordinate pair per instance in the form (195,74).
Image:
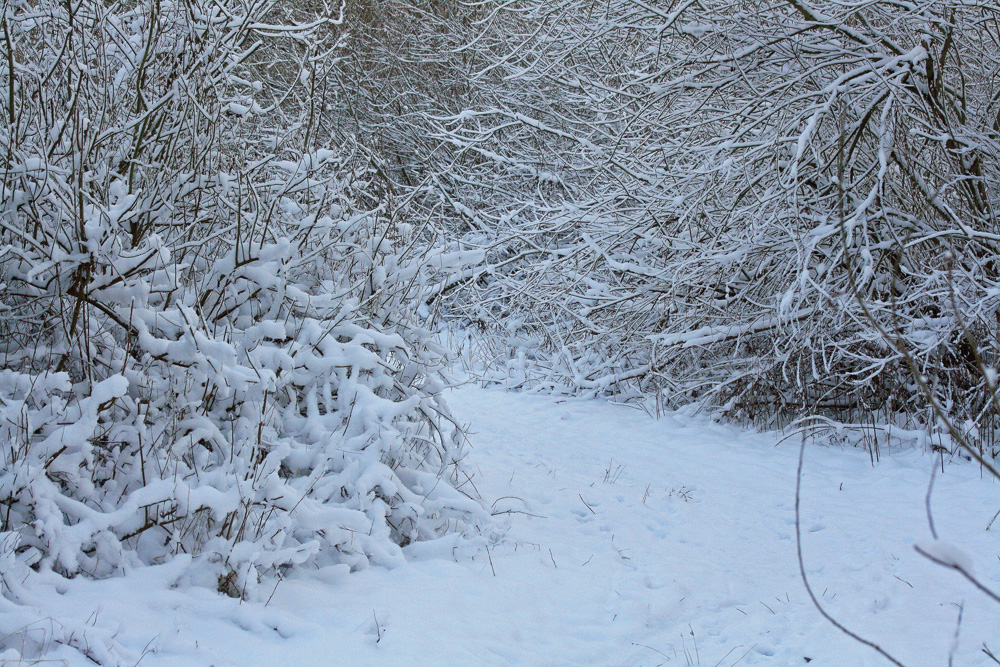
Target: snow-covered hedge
(208,319)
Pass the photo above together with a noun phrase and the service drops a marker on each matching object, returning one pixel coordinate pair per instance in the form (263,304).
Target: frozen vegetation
(521,332)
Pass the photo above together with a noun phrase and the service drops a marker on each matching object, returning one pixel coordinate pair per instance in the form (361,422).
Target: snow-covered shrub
(555,170)
(719,186)
(209,328)
(852,198)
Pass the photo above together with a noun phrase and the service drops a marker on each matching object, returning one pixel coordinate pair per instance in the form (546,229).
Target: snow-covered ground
(618,540)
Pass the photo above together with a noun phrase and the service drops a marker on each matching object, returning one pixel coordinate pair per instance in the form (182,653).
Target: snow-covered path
(618,540)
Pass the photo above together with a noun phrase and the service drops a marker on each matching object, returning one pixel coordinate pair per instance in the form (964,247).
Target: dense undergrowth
(211,338)
(773,211)
(231,229)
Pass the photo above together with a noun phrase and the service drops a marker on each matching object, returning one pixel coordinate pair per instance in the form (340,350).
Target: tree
(735,168)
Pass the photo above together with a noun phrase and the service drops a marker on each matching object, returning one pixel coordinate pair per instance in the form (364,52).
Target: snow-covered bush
(209,323)
(742,204)
(531,179)
(841,188)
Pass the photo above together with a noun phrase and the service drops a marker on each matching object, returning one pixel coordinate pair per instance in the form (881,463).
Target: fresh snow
(617,540)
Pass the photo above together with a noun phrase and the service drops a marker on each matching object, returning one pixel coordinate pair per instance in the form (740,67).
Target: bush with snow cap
(210,344)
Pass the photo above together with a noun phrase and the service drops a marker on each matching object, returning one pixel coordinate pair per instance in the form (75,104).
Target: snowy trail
(619,540)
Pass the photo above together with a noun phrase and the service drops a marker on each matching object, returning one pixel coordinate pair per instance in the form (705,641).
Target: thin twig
(957,567)
(805,580)
(488,555)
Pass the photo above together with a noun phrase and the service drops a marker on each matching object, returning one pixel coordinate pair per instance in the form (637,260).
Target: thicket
(228,228)
(211,332)
(771,209)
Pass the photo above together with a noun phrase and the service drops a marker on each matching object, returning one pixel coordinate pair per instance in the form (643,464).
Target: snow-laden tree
(761,205)
(211,344)
(839,161)
(533,171)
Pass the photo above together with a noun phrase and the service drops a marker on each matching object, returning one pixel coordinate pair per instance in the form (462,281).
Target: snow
(946,554)
(617,539)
